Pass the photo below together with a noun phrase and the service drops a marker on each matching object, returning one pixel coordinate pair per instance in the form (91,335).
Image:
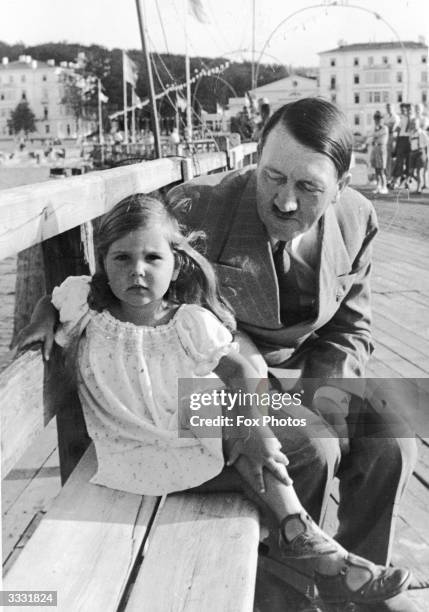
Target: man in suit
(291,243)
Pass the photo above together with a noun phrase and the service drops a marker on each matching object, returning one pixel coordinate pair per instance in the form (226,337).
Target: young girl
(379,139)
(150,316)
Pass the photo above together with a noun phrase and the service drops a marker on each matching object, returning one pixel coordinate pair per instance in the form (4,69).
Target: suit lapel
(245,266)
(334,262)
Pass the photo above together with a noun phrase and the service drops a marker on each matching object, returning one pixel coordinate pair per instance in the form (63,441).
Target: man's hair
(317,124)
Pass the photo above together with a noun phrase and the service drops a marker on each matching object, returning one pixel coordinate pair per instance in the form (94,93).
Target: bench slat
(23,416)
(86,546)
(204,551)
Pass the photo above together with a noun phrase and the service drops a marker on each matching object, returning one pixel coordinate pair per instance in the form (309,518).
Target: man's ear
(343,182)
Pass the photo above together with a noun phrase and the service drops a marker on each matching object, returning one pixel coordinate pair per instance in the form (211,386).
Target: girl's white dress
(128,379)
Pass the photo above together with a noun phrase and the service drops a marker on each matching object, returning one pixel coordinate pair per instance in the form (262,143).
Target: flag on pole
(197,10)
(103,98)
(181,103)
(130,69)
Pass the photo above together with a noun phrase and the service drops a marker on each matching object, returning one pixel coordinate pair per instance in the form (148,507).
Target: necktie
(281,258)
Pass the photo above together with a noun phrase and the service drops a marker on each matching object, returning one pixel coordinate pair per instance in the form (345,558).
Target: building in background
(41,85)
(362,78)
(286,90)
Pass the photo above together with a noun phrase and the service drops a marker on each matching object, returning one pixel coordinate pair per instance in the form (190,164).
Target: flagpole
(154,113)
(188,77)
(100,122)
(124,84)
(133,116)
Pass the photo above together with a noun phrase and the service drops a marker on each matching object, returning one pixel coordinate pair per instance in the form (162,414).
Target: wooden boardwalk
(401,330)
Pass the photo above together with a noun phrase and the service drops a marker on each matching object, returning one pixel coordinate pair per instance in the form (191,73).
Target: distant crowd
(399,148)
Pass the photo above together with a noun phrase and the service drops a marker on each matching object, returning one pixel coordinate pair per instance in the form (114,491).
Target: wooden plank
(23,415)
(86,546)
(22,496)
(33,213)
(204,552)
(203,163)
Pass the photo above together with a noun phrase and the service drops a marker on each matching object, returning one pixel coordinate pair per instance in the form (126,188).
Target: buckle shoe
(384,583)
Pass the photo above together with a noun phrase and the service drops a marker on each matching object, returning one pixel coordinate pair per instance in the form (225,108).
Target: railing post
(64,256)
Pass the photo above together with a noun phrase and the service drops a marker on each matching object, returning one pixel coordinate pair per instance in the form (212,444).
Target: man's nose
(285,199)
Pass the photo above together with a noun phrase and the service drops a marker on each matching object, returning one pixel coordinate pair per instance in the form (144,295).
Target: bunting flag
(197,10)
(181,103)
(130,70)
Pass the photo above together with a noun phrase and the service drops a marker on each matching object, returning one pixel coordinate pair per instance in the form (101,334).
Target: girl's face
(140,267)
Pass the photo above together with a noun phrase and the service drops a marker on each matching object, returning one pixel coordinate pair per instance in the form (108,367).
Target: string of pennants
(174,88)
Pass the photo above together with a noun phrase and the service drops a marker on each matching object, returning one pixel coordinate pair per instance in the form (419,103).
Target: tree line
(168,69)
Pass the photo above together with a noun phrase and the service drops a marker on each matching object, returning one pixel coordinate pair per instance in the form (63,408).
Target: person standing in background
(391,120)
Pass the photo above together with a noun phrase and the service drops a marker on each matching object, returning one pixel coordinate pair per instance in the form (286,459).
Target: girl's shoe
(383,583)
(310,542)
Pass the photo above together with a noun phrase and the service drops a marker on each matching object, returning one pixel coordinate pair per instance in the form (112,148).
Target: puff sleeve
(204,338)
(70,299)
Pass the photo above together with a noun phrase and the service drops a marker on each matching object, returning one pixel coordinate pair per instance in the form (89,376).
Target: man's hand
(40,329)
(36,332)
(261,449)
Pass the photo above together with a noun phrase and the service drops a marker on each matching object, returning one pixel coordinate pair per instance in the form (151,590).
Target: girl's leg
(300,537)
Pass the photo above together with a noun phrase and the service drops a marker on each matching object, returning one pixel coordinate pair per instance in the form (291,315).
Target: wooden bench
(101,549)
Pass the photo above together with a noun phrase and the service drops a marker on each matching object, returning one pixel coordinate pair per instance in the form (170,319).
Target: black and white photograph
(214,298)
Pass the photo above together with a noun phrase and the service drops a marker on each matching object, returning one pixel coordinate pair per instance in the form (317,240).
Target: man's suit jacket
(337,342)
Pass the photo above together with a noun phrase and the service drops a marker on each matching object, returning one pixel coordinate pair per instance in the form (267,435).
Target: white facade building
(286,90)
(40,84)
(362,78)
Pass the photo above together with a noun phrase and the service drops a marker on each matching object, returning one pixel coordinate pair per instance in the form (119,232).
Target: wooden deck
(401,330)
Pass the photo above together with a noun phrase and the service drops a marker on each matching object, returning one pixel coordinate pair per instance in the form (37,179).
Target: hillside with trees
(168,69)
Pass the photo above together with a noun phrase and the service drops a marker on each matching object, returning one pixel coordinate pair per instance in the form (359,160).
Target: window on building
(45,113)
(424,77)
(356,98)
(333,98)
(370,61)
(1,96)
(385,59)
(22,78)
(369,119)
(377,97)
(386,97)
(399,59)
(355,61)
(424,59)
(47,128)
(68,130)
(399,96)
(295,83)
(424,97)
(356,79)
(399,77)
(333,61)
(333,82)
(356,120)
(23,96)
(44,77)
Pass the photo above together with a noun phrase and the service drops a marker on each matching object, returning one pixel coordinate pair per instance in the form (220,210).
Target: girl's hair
(317,124)
(196,282)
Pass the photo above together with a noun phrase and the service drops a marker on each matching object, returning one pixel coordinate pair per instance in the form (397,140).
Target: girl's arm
(256,442)
(41,327)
